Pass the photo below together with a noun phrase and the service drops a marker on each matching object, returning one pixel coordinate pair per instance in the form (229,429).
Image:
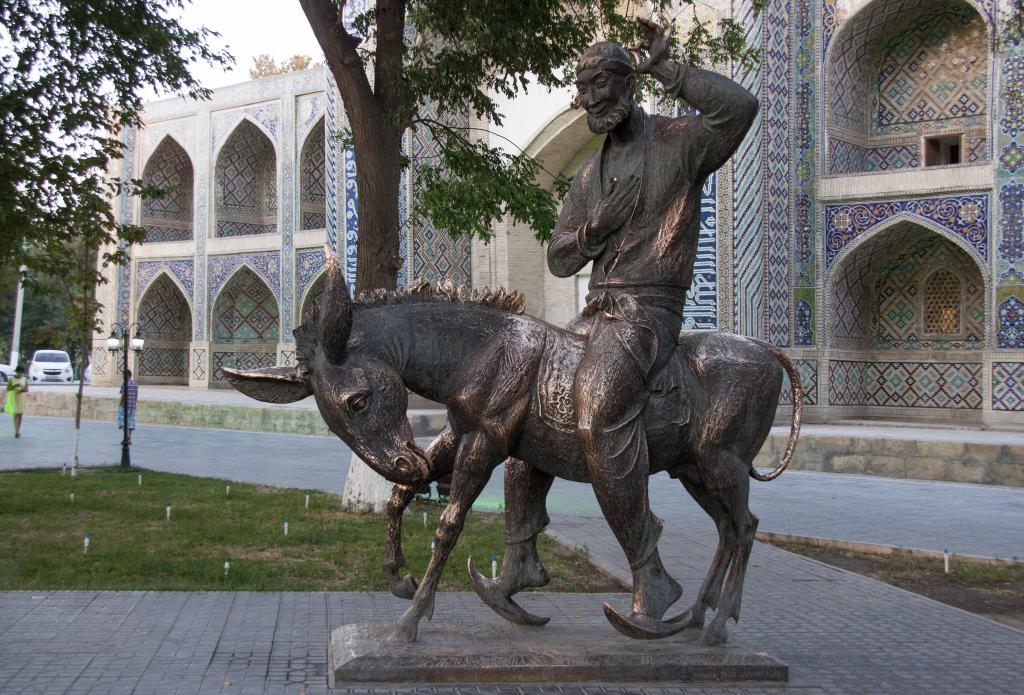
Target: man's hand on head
(654,43)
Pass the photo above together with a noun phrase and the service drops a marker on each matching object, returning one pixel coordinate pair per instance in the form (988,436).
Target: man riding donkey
(633,211)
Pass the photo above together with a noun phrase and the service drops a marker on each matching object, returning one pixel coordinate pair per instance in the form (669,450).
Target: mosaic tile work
(1010,328)
(778,184)
(145,271)
(245,311)
(164,312)
(168,218)
(351,217)
(123,311)
(266,266)
(313,297)
(1008,386)
(905,384)
(700,313)
(901,66)
(199,364)
(852,158)
(808,379)
(163,362)
(246,183)
(241,359)
(748,181)
(230,228)
(936,70)
(436,256)
(333,155)
(804,110)
(931,298)
(99,361)
(964,215)
(267,115)
(308,264)
(1009,319)
(311,181)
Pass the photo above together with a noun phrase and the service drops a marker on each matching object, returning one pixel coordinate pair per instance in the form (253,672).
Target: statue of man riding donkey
(612,399)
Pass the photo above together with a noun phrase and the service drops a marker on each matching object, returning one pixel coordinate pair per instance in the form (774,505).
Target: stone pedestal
(359,653)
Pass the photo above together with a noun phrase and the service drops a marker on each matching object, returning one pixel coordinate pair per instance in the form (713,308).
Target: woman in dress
(17,387)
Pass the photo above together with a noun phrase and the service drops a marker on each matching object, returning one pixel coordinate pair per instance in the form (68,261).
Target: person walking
(128,401)
(17,387)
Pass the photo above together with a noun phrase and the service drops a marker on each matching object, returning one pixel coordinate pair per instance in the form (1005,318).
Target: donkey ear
(270,385)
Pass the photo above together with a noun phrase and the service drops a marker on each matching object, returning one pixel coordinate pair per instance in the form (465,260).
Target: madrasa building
(872,222)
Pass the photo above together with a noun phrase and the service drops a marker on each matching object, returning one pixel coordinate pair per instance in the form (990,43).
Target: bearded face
(606,96)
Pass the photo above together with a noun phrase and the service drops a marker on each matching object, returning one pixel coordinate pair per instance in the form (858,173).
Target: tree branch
(341,54)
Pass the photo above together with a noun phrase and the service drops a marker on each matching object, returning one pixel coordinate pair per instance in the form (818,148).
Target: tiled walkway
(839,632)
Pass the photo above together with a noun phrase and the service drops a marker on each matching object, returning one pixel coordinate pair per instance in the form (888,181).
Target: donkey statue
(507,381)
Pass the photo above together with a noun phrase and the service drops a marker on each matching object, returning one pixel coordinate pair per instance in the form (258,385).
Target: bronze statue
(616,398)
(633,211)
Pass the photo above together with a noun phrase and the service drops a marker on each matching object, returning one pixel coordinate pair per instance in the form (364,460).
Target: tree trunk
(377,140)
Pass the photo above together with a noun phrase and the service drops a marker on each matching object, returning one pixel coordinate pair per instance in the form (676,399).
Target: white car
(50,365)
(6,372)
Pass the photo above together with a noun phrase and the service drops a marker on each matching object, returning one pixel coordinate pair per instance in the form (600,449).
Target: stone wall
(991,464)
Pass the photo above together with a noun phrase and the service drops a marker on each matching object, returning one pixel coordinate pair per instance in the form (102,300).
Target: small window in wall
(942,303)
(942,150)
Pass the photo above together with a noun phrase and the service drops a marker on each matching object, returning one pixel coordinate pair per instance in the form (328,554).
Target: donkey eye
(358,403)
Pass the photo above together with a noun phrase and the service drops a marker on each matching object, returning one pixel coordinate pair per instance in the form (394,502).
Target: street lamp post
(118,340)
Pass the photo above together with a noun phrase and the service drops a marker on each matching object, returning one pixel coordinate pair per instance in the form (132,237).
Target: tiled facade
(897,287)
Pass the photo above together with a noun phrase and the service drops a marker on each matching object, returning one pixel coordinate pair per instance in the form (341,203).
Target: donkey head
(362,399)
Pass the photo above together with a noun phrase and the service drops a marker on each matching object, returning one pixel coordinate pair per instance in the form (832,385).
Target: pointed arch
(875,293)
(245,310)
(169,218)
(878,72)
(312,179)
(245,182)
(165,321)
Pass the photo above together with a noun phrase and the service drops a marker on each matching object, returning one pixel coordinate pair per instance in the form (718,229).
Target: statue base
(451,653)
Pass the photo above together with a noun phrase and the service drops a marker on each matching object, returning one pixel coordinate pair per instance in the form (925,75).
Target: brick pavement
(839,632)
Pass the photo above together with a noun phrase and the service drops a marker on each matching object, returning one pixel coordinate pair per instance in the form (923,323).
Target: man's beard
(611,119)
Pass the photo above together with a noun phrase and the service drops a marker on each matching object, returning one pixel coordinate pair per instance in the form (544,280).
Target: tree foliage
(71,77)
(264,65)
(402,63)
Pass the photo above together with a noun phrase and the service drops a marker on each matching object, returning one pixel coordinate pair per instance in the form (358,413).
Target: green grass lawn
(133,546)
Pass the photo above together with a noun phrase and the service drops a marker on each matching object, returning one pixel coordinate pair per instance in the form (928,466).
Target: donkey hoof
(713,635)
(404,587)
(490,593)
(639,626)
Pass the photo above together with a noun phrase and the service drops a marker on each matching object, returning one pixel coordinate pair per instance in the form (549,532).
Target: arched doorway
(907,86)
(245,193)
(907,327)
(312,182)
(245,323)
(165,320)
(168,218)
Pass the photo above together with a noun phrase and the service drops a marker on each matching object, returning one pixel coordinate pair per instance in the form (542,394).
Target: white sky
(248,28)
(279,27)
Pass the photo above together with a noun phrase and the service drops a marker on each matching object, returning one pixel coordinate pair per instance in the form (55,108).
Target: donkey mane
(307,335)
(427,293)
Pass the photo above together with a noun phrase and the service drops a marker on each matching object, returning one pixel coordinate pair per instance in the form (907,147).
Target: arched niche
(312,181)
(907,86)
(165,320)
(907,326)
(245,325)
(169,217)
(245,183)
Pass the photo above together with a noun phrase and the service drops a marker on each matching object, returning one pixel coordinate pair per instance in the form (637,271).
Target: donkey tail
(797,392)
